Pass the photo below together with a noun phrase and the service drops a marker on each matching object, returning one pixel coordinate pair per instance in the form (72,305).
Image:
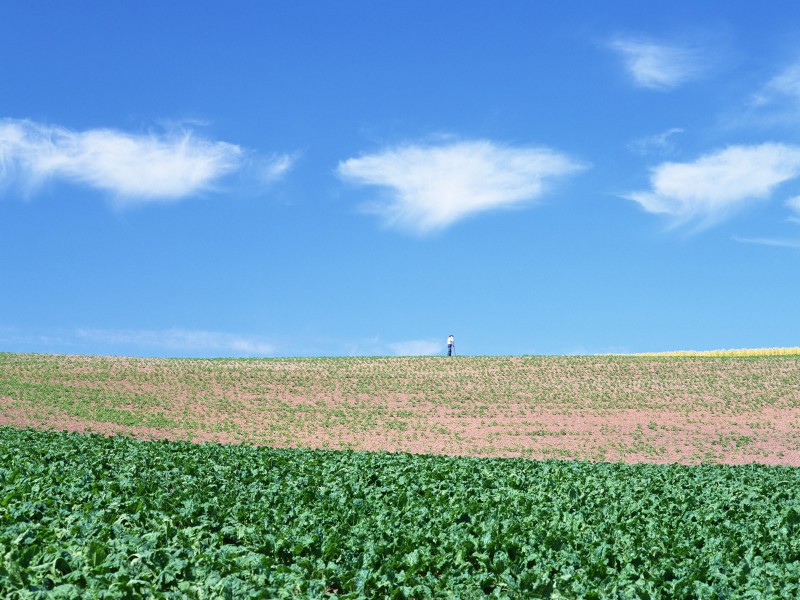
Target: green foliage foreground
(83,515)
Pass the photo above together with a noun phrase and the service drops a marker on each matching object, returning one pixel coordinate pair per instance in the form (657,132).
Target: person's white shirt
(450,341)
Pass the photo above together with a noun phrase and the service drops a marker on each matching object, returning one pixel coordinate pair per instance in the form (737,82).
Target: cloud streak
(718,184)
(430,187)
(659,143)
(132,168)
(658,66)
(784,85)
(777,243)
(775,104)
(416,348)
(793,204)
(183,340)
(275,167)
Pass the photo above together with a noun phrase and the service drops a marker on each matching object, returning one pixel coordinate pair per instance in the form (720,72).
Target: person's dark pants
(449,349)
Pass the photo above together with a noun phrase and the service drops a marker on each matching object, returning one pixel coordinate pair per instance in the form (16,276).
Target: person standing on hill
(451,345)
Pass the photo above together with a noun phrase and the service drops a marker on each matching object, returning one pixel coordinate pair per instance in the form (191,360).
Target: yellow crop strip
(739,352)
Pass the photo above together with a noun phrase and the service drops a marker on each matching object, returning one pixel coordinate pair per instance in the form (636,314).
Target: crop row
(114,517)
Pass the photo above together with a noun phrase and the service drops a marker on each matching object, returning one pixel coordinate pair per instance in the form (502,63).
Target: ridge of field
(90,516)
(662,409)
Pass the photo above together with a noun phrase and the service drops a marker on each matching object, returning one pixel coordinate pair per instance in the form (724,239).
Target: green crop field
(461,495)
(114,517)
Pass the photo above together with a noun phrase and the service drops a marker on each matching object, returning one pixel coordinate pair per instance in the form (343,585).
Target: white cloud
(776,104)
(785,84)
(183,340)
(276,166)
(416,348)
(658,143)
(793,204)
(15,338)
(432,186)
(718,184)
(659,66)
(133,168)
(779,243)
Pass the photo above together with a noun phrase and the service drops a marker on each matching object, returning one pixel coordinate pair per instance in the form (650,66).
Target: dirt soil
(739,413)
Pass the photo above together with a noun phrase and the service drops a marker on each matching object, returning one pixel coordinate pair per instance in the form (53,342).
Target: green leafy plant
(86,515)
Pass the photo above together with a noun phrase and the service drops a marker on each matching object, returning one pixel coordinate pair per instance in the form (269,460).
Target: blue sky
(365,178)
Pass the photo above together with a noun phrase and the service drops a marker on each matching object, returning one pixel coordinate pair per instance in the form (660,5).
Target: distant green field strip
(606,382)
(118,407)
(113,517)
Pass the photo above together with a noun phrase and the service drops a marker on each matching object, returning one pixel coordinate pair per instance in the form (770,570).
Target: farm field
(287,504)
(658,409)
(93,516)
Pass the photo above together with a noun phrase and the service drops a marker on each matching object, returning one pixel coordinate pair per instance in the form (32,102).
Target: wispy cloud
(718,184)
(182,340)
(275,167)
(793,204)
(430,187)
(657,65)
(774,104)
(131,168)
(416,347)
(776,242)
(15,338)
(785,84)
(660,143)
